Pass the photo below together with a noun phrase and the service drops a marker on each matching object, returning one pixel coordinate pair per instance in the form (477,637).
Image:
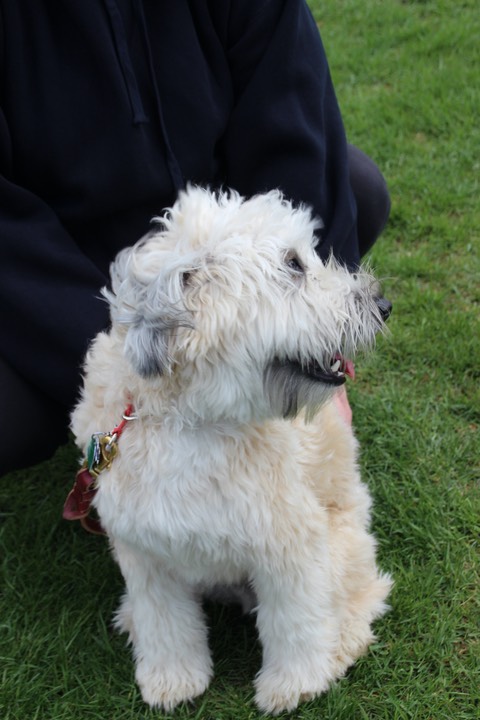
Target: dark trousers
(32,426)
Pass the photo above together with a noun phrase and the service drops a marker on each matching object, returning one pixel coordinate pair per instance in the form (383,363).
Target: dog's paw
(282,691)
(165,689)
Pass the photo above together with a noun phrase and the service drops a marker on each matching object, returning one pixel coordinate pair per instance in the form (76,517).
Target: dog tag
(108,450)
(101,451)
(93,452)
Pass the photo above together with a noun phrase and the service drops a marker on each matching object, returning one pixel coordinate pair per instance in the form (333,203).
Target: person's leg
(371,195)
(31,426)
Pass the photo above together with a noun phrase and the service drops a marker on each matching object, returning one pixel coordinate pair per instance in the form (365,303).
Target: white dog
(228,337)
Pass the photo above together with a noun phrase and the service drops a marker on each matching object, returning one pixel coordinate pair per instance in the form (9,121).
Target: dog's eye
(186,278)
(294,264)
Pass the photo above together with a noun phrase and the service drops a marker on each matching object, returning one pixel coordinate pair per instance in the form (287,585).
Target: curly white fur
(224,322)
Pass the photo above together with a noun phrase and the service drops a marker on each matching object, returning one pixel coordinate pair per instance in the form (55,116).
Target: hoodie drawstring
(173,166)
(138,112)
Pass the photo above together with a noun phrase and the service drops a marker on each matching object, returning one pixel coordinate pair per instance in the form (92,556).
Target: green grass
(406,75)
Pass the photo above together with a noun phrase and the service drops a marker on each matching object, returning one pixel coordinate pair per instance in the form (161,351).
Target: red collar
(101,452)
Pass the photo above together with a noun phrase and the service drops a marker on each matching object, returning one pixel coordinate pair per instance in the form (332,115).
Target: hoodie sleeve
(49,290)
(286,129)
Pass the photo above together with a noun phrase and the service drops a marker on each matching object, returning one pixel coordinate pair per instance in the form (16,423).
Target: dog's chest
(202,501)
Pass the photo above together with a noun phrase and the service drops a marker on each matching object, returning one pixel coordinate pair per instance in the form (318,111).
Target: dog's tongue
(349,368)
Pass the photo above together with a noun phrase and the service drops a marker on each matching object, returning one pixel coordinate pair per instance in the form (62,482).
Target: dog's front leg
(298,629)
(166,626)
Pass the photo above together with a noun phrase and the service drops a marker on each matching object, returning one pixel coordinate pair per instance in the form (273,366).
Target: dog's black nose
(385,307)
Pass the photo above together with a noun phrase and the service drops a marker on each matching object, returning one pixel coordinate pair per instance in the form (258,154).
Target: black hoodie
(108,107)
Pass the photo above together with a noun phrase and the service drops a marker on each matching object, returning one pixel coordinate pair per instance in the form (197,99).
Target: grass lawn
(407,79)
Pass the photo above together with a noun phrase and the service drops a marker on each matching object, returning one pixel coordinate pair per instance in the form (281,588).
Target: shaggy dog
(229,337)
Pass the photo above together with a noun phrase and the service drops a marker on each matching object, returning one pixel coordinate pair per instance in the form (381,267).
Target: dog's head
(229,298)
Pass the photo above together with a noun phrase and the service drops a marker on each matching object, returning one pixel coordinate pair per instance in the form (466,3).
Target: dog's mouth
(334,372)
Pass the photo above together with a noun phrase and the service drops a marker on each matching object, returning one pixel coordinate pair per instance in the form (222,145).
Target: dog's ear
(150,304)
(146,347)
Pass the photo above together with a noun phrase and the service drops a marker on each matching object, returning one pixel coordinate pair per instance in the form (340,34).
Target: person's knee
(371,195)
